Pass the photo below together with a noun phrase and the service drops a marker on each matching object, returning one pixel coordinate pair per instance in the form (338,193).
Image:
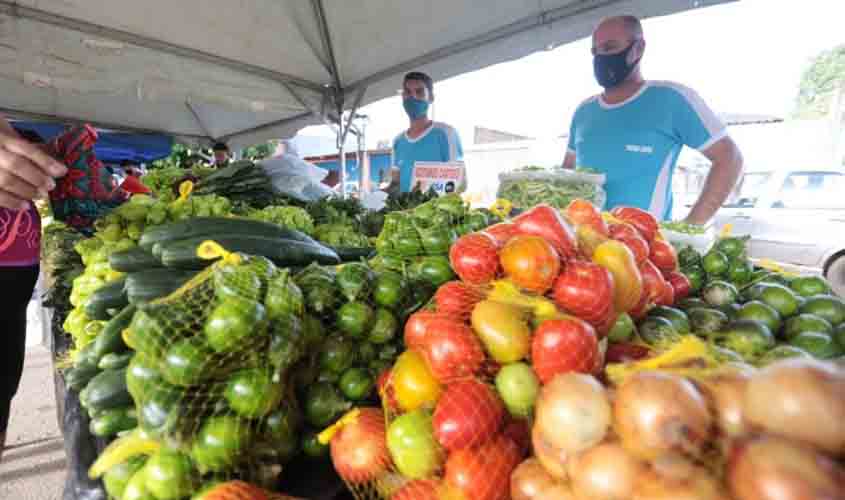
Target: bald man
(633,132)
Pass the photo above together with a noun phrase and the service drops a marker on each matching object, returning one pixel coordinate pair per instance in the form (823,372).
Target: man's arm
(26,171)
(724,173)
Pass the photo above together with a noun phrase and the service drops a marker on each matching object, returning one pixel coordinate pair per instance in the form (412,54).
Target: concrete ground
(33,465)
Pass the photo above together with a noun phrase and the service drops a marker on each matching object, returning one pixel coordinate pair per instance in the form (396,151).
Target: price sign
(444,178)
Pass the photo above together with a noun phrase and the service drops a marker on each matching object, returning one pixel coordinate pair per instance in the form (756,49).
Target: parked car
(793,216)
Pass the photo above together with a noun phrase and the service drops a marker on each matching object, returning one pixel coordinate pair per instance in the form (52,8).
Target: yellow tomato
(413,383)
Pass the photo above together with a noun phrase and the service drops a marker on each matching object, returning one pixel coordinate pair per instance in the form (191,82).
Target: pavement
(33,464)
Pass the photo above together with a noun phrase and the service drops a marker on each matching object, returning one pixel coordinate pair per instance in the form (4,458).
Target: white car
(793,216)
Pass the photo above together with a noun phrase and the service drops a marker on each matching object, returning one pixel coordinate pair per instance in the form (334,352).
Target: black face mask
(612,69)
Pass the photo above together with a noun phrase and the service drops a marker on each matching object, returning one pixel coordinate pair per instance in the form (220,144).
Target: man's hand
(724,173)
(26,171)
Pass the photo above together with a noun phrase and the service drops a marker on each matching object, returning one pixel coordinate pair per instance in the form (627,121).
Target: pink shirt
(20,237)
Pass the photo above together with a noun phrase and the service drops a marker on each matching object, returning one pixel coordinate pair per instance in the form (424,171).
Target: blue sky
(744,57)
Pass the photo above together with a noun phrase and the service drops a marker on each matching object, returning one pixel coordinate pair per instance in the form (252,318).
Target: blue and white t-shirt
(439,143)
(636,143)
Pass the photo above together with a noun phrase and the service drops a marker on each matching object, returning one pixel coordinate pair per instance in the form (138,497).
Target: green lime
(806,323)
(759,311)
(623,329)
(232,323)
(389,290)
(185,362)
(356,384)
(384,328)
(337,355)
(819,345)
(355,318)
(715,263)
(170,475)
(825,306)
(253,393)
(807,286)
(781,298)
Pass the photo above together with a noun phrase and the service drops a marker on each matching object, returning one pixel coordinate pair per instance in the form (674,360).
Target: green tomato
(312,447)
(221,441)
(384,328)
(337,355)
(231,324)
(136,488)
(185,362)
(324,404)
(518,386)
(623,329)
(415,451)
(170,475)
(356,384)
(253,393)
(389,290)
(355,318)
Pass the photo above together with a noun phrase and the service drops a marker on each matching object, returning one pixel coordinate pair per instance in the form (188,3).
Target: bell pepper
(627,279)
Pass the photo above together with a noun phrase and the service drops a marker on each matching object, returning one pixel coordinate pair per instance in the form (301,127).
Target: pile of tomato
(537,297)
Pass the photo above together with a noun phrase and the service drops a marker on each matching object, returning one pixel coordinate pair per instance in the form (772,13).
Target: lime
(759,311)
(170,475)
(781,298)
(384,328)
(622,329)
(678,318)
(356,384)
(715,263)
(819,345)
(807,286)
(806,323)
(253,393)
(232,322)
(355,318)
(827,307)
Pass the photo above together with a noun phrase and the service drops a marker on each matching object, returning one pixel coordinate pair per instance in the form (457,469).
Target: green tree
(823,85)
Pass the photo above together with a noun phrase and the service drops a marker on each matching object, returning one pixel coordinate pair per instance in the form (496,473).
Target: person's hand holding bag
(26,171)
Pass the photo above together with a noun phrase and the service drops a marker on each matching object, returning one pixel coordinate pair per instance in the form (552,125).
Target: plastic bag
(81,449)
(700,242)
(556,187)
(296,178)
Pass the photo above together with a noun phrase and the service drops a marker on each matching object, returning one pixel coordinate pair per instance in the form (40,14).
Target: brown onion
(604,472)
(552,459)
(573,412)
(529,480)
(683,481)
(801,399)
(774,468)
(557,492)
(657,413)
(726,393)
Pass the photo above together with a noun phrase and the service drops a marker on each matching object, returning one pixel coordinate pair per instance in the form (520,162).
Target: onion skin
(694,484)
(657,413)
(573,412)
(773,468)
(726,393)
(604,472)
(557,492)
(800,399)
(529,480)
(359,449)
(552,459)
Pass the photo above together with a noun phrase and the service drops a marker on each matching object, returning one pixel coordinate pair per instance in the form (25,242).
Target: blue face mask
(415,108)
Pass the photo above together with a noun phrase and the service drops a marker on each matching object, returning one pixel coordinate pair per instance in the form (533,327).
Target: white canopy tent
(244,71)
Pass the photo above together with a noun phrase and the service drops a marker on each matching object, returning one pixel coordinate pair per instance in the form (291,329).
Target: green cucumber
(230,226)
(107,390)
(353,254)
(110,340)
(144,286)
(112,295)
(183,254)
(110,422)
(134,259)
(115,361)
(78,376)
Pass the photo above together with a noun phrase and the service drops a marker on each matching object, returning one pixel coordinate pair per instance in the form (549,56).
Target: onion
(530,479)
(800,399)
(359,449)
(552,459)
(684,482)
(657,413)
(605,472)
(573,412)
(557,492)
(773,468)
(726,393)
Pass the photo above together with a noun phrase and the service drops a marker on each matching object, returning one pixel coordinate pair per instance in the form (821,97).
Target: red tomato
(653,282)
(519,430)
(604,325)
(639,311)
(588,240)
(475,258)
(583,213)
(416,327)
(585,289)
(546,222)
(667,295)
(621,352)
(467,414)
(501,232)
(663,255)
(638,247)
(359,449)
(418,489)
(563,345)
(680,283)
(451,350)
(385,390)
(456,299)
(643,221)
(622,230)
(484,472)
(531,263)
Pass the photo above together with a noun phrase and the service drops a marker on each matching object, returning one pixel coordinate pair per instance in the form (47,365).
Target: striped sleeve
(696,125)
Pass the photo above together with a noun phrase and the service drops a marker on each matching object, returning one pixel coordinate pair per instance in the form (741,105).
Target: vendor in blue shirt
(633,132)
(425,140)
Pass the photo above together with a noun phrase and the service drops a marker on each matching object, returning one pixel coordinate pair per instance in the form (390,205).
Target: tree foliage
(820,82)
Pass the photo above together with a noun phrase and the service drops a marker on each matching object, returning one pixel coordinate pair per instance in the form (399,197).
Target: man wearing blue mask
(633,132)
(425,140)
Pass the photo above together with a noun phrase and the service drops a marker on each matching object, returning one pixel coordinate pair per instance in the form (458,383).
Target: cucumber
(110,340)
(78,376)
(144,286)
(353,254)
(112,421)
(229,226)
(112,295)
(115,361)
(183,254)
(107,390)
(134,259)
